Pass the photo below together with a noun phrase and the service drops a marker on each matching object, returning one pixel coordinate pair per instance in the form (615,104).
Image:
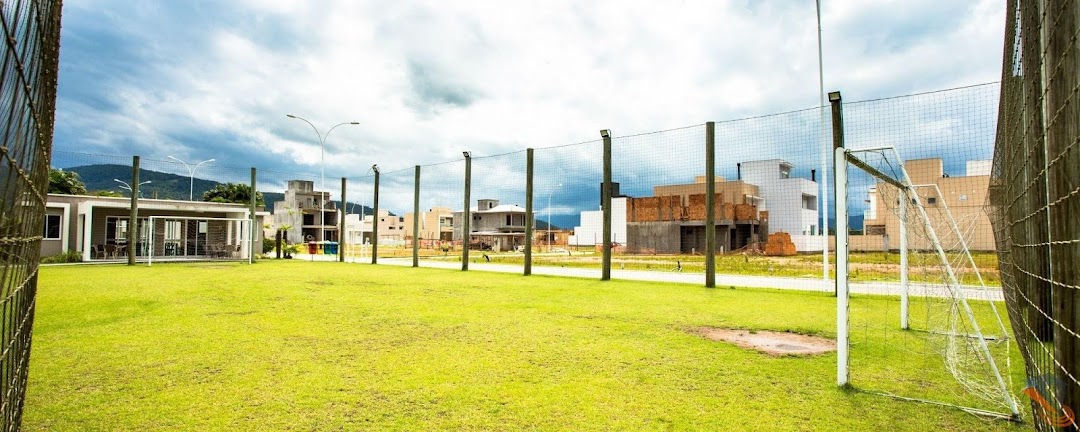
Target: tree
(65,182)
(233,193)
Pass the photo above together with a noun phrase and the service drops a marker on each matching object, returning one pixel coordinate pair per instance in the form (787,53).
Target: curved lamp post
(191,174)
(322,168)
(124,185)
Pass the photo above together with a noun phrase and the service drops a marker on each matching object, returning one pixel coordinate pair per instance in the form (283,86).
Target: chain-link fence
(1035,200)
(30,65)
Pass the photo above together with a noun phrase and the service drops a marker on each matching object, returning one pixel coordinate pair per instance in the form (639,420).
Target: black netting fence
(1035,199)
(31,55)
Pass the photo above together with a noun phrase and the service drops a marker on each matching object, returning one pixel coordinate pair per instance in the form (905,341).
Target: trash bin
(312,248)
(330,248)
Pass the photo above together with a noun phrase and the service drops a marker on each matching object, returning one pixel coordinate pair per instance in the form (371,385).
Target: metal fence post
(341,224)
(255,246)
(529,211)
(416,220)
(710,205)
(605,199)
(133,219)
(466,233)
(374,218)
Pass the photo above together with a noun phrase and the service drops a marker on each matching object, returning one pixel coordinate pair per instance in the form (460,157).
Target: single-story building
(98,227)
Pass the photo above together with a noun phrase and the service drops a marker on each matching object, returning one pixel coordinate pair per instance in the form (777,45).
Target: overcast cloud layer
(426,80)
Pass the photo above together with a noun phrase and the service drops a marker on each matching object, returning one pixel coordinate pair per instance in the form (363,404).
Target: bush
(71,256)
(268,245)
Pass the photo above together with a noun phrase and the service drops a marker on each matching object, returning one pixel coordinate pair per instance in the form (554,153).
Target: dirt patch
(770,342)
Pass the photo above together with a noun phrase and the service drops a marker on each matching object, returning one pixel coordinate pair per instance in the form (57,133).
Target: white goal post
(194,238)
(951,290)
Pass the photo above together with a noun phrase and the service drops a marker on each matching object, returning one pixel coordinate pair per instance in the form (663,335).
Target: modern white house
(392,229)
(99,227)
(493,226)
(790,201)
(591,230)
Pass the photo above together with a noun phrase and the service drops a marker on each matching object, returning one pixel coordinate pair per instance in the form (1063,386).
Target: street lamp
(322,168)
(552,191)
(124,185)
(191,174)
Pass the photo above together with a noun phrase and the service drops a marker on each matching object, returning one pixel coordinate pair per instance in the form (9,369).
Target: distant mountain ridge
(162,185)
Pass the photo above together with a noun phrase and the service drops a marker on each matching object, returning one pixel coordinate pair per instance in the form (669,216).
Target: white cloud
(427,79)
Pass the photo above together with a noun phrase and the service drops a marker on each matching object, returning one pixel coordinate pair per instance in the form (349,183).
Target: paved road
(802,284)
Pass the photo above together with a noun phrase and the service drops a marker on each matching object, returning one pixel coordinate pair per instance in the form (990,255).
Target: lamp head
(834,96)
(605,133)
(290,116)
(375,167)
(354,123)
(467,154)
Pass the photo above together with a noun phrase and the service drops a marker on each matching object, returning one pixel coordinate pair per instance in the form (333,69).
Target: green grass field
(294,345)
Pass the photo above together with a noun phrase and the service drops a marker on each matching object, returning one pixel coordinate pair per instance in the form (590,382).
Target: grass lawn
(294,345)
(864,266)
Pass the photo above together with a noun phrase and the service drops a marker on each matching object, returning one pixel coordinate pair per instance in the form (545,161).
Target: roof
(501,208)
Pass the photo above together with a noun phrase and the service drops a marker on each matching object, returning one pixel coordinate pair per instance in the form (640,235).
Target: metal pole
(824,211)
(838,142)
(529,211)
(416,220)
(341,224)
(710,205)
(605,199)
(904,314)
(840,189)
(466,233)
(251,253)
(133,219)
(374,219)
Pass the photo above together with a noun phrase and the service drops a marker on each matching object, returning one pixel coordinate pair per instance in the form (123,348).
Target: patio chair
(110,251)
(98,251)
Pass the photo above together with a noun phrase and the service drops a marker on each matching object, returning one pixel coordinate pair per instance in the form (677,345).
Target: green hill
(167,186)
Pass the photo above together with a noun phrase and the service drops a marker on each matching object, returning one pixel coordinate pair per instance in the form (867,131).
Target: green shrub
(71,256)
(268,245)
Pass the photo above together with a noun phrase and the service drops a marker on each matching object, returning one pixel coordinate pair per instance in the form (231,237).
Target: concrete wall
(653,238)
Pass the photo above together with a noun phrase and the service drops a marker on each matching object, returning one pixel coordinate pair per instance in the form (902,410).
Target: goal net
(176,238)
(925,323)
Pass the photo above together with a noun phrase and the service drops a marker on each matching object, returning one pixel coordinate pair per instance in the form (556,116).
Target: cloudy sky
(426,80)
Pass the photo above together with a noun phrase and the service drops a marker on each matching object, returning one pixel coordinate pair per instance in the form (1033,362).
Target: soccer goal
(186,238)
(931,331)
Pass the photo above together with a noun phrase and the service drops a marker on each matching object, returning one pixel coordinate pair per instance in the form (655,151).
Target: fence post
(341,224)
(529,210)
(1062,132)
(416,219)
(374,219)
(710,205)
(466,233)
(133,219)
(605,201)
(840,202)
(254,228)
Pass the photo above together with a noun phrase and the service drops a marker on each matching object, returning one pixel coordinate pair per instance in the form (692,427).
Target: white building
(591,230)
(392,229)
(790,201)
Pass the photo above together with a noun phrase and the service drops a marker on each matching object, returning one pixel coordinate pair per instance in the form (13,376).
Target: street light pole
(191,175)
(322,169)
(127,187)
(549,216)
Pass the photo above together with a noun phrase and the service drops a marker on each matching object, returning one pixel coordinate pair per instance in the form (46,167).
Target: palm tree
(233,193)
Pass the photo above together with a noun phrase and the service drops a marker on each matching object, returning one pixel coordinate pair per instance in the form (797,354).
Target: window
(809,202)
(931,201)
(785,171)
(52,227)
(508,221)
